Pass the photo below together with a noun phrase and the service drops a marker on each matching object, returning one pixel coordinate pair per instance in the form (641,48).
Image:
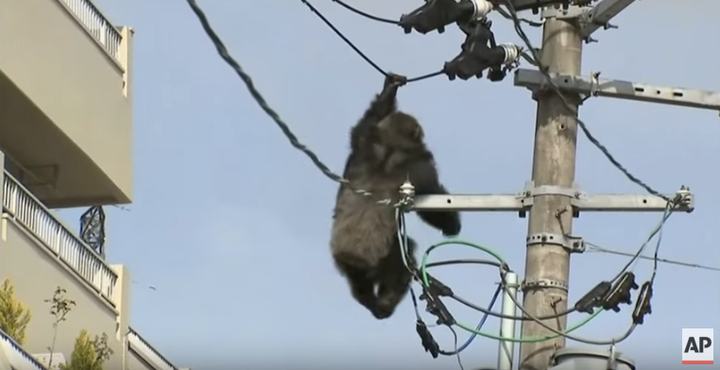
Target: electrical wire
(357,50)
(425,265)
(566,333)
(666,215)
(506,15)
(257,96)
(224,54)
(484,310)
(397,23)
(521,33)
(457,351)
(596,248)
(478,327)
(347,41)
(657,230)
(366,15)
(503,268)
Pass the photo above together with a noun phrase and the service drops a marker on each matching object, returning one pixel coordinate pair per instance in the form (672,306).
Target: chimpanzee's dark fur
(387,148)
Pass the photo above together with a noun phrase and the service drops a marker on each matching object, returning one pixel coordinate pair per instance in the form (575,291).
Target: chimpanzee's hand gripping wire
(294,141)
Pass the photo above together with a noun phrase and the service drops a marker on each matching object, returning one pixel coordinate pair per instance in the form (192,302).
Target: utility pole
(547,262)
(551,197)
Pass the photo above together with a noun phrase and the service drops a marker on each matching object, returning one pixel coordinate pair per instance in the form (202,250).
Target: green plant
(59,308)
(14,316)
(89,354)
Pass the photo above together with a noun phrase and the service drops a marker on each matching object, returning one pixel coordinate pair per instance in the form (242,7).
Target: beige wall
(52,59)
(35,274)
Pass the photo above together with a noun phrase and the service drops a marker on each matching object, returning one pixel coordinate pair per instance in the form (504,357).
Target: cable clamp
(544,283)
(531,191)
(573,244)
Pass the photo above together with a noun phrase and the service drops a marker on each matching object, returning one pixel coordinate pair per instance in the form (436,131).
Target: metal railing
(145,349)
(40,221)
(16,355)
(99,27)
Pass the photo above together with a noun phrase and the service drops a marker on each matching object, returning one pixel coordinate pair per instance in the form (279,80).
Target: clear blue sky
(231,224)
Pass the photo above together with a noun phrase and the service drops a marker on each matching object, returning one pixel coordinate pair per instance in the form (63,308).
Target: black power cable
(482,309)
(366,15)
(357,50)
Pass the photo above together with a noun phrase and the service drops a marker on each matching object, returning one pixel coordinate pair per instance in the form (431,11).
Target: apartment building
(65,141)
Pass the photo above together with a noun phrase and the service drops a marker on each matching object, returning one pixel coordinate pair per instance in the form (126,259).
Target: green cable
(426,282)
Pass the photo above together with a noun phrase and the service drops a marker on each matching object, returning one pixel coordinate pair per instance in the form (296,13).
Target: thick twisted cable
(523,36)
(294,141)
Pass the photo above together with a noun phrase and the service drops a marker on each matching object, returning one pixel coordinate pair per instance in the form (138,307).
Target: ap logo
(697,346)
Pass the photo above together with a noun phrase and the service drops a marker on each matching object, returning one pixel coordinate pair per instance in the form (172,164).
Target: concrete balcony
(39,253)
(66,90)
(144,356)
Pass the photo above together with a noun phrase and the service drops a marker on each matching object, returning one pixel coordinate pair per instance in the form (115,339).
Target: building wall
(36,273)
(53,59)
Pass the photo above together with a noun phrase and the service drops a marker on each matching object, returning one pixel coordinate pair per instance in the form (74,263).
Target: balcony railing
(145,349)
(40,221)
(16,355)
(99,27)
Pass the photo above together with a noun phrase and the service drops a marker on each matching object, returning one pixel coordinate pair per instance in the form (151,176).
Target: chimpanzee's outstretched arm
(382,105)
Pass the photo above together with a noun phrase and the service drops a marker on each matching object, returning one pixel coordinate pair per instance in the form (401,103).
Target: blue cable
(479,326)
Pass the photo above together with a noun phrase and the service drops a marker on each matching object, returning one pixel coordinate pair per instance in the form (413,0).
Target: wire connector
(620,292)
(431,294)
(428,342)
(642,307)
(436,14)
(480,52)
(594,298)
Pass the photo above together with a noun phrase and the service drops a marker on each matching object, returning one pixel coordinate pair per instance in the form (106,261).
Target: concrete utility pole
(552,198)
(547,263)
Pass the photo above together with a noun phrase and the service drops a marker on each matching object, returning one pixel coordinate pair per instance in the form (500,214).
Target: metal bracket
(522,203)
(521,5)
(531,191)
(702,99)
(543,283)
(571,243)
(558,12)
(600,15)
